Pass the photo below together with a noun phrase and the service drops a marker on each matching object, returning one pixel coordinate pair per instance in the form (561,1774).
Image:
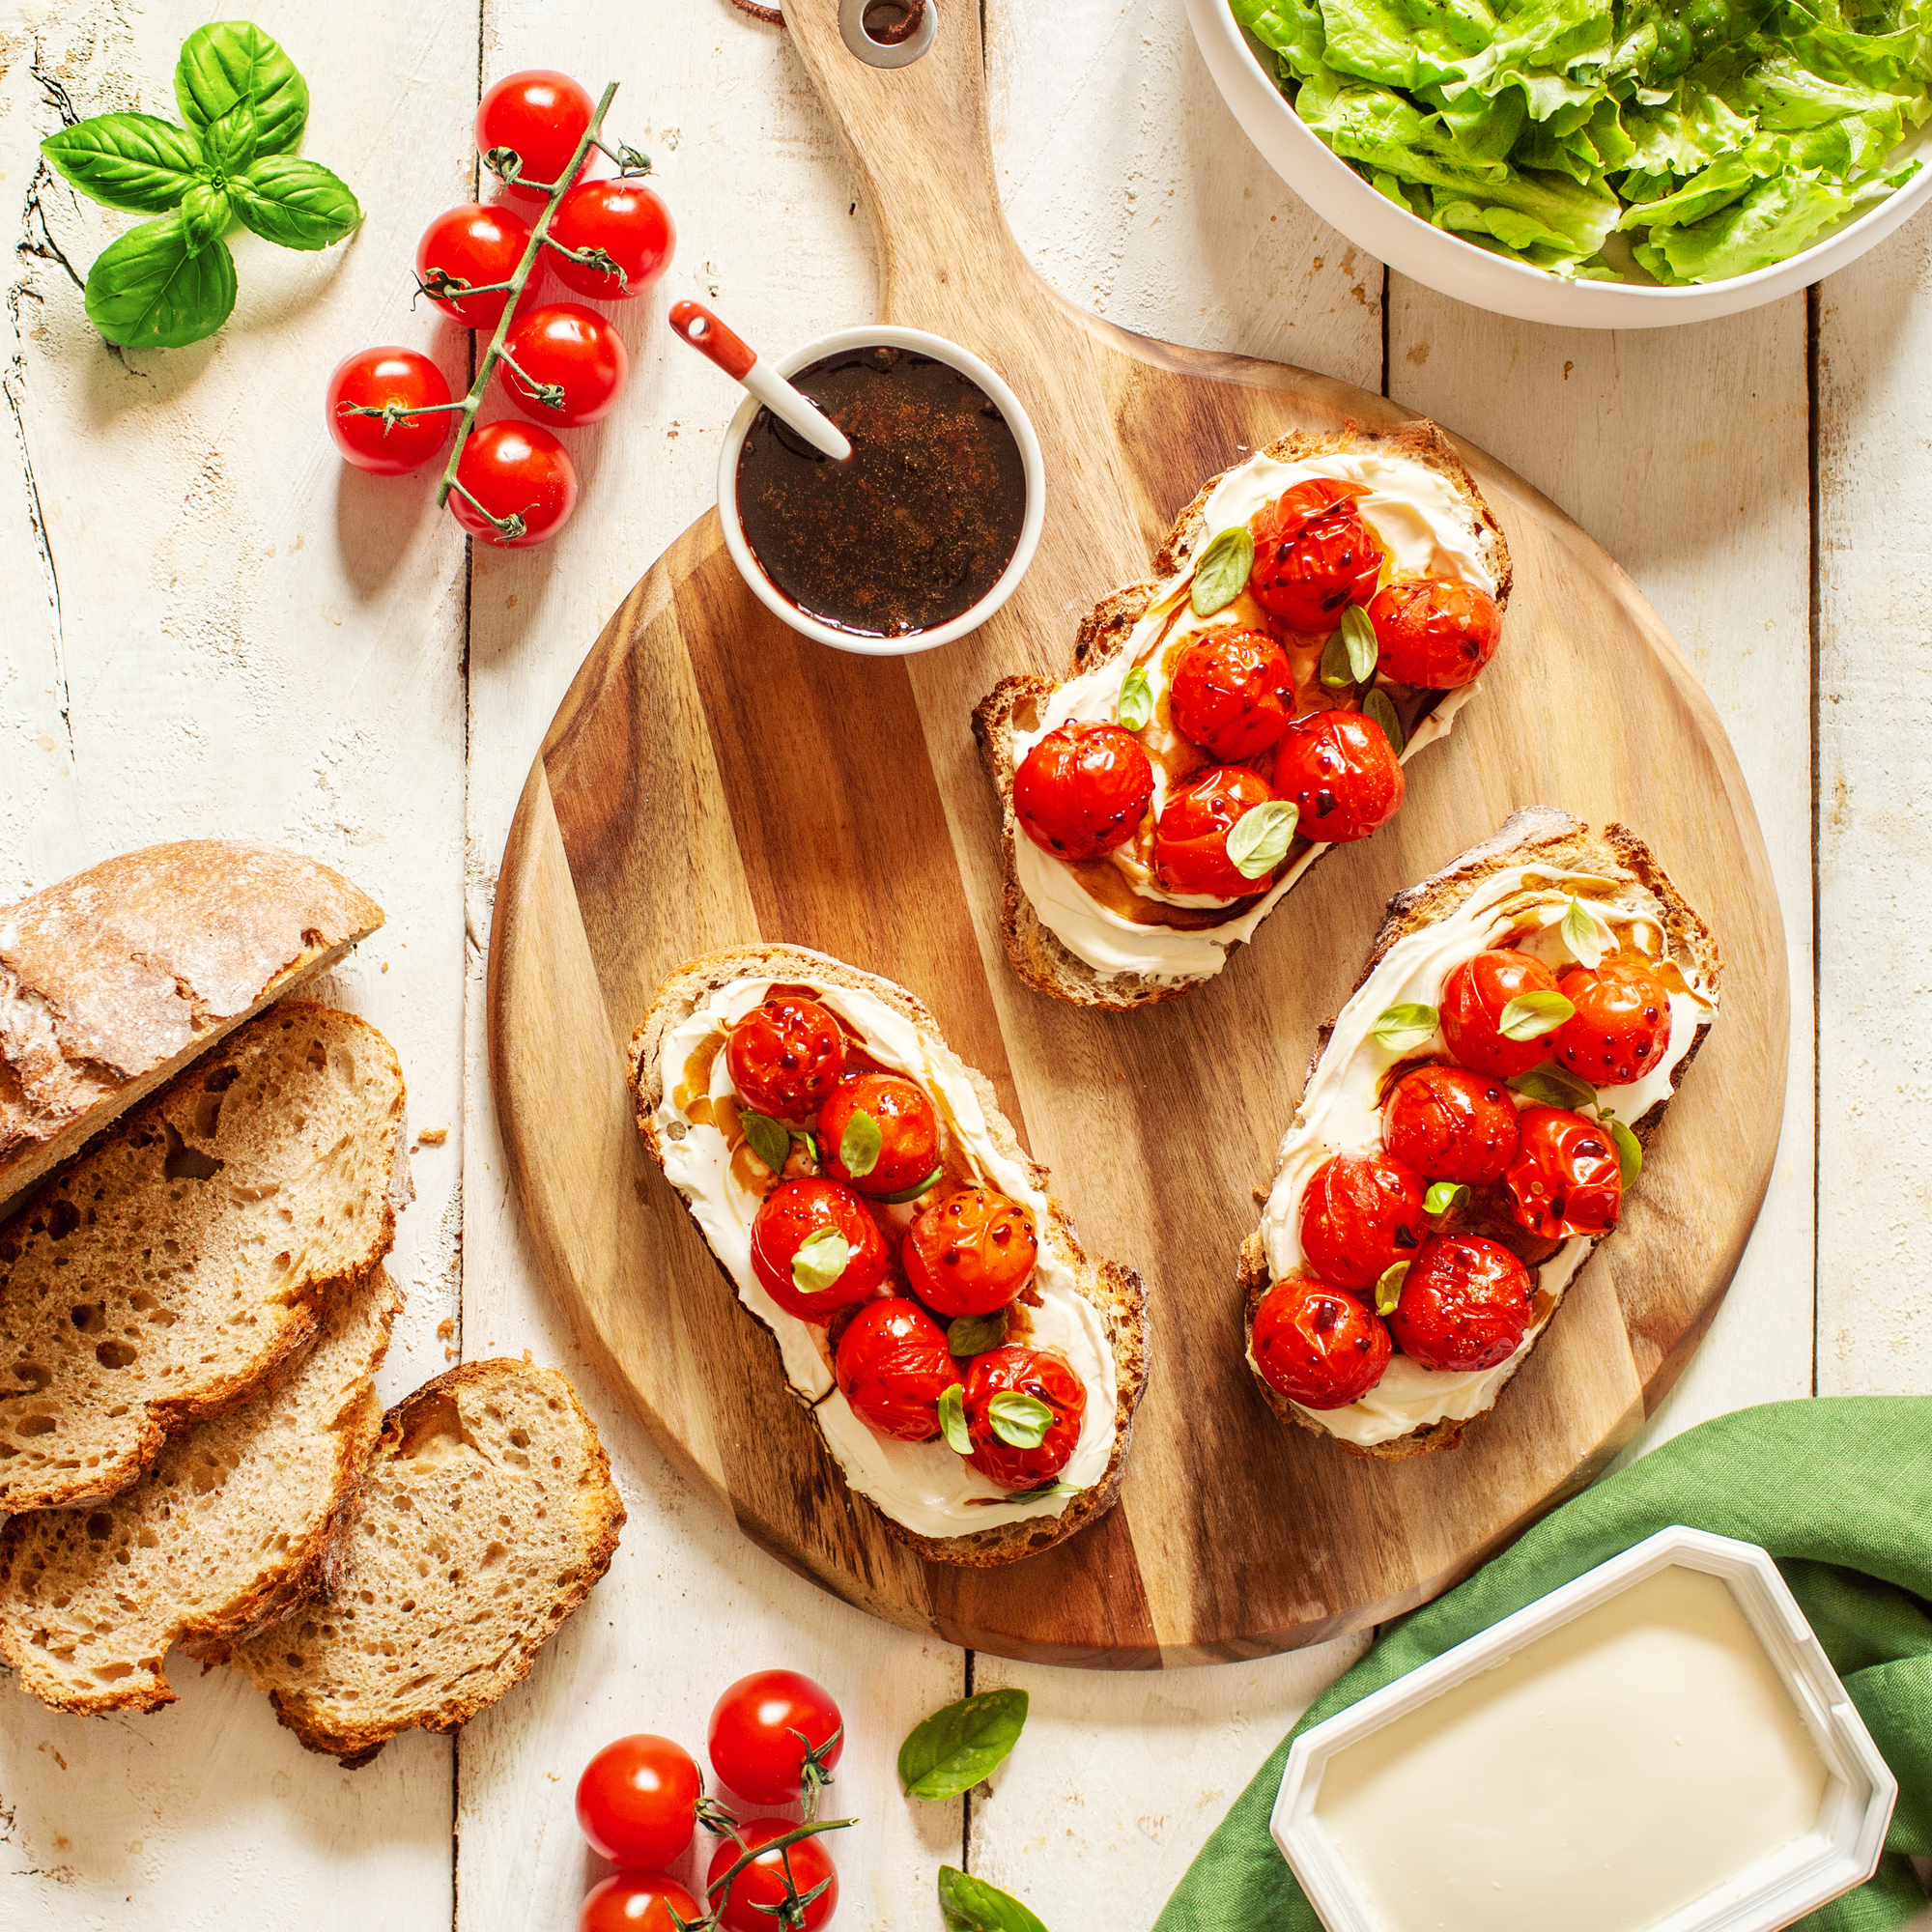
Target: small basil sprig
(1531,1015)
(1135,708)
(1378,705)
(170,282)
(860,1144)
(819,1262)
(1388,1289)
(1258,840)
(952,1750)
(952,1420)
(1584,935)
(1401,1027)
(1549,1086)
(770,1139)
(1221,573)
(969,1904)
(1630,1150)
(1351,654)
(1020,1421)
(974,1334)
(1442,1196)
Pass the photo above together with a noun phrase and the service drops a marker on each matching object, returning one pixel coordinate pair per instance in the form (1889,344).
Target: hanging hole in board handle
(888,33)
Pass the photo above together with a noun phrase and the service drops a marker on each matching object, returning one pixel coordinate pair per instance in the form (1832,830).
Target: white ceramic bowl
(1453,267)
(968,364)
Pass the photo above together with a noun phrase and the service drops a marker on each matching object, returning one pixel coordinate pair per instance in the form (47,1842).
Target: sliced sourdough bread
(239,1520)
(486,1513)
(167,1272)
(114,979)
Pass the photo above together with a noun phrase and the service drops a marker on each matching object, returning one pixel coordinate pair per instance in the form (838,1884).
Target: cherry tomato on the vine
(970,1253)
(1318,1346)
(892,1366)
(795,1213)
(1190,837)
(1314,555)
(762,1729)
(1233,694)
(785,1057)
(1451,1124)
(1621,1027)
(395,380)
(1083,790)
(1435,632)
(758,1897)
(628,221)
(1047,1377)
(636,1801)
(1342,774)
(1360,1214)
(1465,1305)
(564,365)
(479,246)
(878,1133)
(1476,995)
(539,116)
(1566,1178)
(634,1901)
(517,473)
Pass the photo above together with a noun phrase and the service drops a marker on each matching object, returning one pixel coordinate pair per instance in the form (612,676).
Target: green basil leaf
(1531,1015)
(1336,672)
(296,203)
(912,1193)
(151,290)
(1136,701)
(860,1144)
(1442,1196)
(1630,1150)
(956,1748)
(1358,640)
(1401,1027)
(127,161)
(1549,1086)
(1388,1289)
(770,1142)
(974,1334)
(1378,705)
(820,1260)
(952,1420)
(1258,840)
(969,1904)
(232,61)
(1584,935)
(204,212)
(1221,571)
(229,144)
(1020,1421)
(1045,1490)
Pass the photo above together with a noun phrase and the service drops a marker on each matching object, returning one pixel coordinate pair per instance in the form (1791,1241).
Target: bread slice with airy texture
(1113,1297)
(484,1515)
(1111,634)
(1558,857)
(239,1520)
(167,1272)
(112,980)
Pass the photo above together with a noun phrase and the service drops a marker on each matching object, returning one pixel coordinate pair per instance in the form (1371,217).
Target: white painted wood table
(211,626)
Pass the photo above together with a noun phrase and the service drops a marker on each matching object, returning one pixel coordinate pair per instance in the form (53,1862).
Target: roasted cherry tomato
(518,474)
(479,247)
(793,1213)
(1360,1214)
(632,1901)
(759,1897)
(970,1253)
(1437,632)
(1465,1305)
(636,1801)
(1450,1124)
(785,1057)
(1233,694)
(1621,1027)
(1342,774)
(624,221)
(1045,1375)
(1314,556)
(895,1144)
(766,1726)
(569,365)
(1566,1179)
(893,1367)
(539,117)
(1190,838)
(1318,1346)
(1474,999)
(1083,790)
(396,381)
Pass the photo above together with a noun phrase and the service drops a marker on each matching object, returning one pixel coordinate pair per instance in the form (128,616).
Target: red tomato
(1317,1345)
(521,475)
(1465,1305)
(539,117)
(636,1801)
(970,1253)
(1314,556)
(1342,774)
(569,354)
(764,1727)
(1621,1027)
(1083,790)
(1474,998)
(477,246)
(395,381)
(789,1216)
(1450,1124)
(638,1902)
(626,221)
(785,1057)
(892,1366)
(1435,632)
(757,1900)
(1045,1375)
(1190,838)
(1360,1214)
(1232,693)
(1566,1179)
(906,1127)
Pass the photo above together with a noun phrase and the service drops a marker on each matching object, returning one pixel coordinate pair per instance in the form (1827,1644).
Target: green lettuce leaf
(1292,28)
(1406,43)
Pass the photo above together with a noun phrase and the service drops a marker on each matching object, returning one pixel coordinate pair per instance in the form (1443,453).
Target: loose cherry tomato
(785,1057)
(1233,694)
(774,1732)
(629,1901)
(519,475)
(1474,998)
(1621,1027)
(1314,556)
(1342,774)
(477,246)
(892,1366)
(1450,1124)
(1045,1375)
(1083,790)
(396,381)
(970,1253)
(1566,1179)
(628,222)
(1190,838)
(1360,1214)
(793,1213)
(903,1128)
(570,354)
(1465,1305)
(637,1801)
(1317,1345)
(538,116)
(758,1897)
(1435,632)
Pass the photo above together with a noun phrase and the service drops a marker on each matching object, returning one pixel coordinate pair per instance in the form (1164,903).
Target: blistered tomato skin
(1233,694)
(1465,1305)
(970,1253)
(908,1132)
(1314,556)
(1045,1375)
(1451,1124)
(1317,1345)
(1342,774)
(1190,838)
(789,1216)
(1361,1213)
(1566,1179)
(1621,1027)
(1435,632)
(1474,998)
(785,1057)
(1083,790)
(893,1367)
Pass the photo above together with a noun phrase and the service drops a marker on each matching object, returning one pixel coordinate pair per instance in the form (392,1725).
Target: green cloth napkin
(1838,1489)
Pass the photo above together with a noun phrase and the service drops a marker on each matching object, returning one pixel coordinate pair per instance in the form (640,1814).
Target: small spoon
(698,326)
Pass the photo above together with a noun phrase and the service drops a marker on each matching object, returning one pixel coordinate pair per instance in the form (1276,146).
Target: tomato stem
(549,394)
(784,1839)
(512,526)
(592,258)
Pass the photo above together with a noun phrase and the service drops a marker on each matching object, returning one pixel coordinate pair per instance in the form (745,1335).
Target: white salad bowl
(1453,267)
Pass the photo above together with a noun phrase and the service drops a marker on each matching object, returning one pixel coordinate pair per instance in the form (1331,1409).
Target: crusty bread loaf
(1037,953)
(165,1273)
(238,1521)
(1116,1291)
(486,1513)
(114,979)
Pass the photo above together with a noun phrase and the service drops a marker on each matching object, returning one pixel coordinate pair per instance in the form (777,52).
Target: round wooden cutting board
(713,778)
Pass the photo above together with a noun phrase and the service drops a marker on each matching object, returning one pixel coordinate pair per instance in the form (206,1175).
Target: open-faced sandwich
(974,1375)
(1472,1122)
(1320,613)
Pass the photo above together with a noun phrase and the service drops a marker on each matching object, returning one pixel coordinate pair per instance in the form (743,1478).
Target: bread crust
(1114,1289)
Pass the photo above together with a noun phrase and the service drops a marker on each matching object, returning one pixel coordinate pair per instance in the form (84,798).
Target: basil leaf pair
(1351,656)
(969,1904)
(952,1750)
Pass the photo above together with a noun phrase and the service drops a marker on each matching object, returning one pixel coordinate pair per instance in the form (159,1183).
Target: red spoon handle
(710,337)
